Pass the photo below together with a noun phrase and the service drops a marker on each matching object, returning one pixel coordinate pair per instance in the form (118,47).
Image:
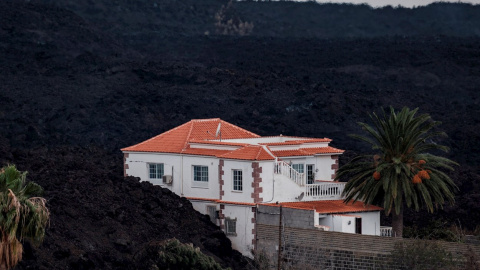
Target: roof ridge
(267,149)
(205,119)
(258,152)
(188,136)
(229,152)
(217,142)
(159,135)
(239,128)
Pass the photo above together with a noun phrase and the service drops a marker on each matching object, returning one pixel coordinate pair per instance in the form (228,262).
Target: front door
(358,225)
(310,174)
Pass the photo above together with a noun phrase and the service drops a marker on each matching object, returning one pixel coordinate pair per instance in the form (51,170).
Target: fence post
(279,262)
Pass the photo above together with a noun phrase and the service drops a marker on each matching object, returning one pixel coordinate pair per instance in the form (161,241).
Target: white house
(227,171)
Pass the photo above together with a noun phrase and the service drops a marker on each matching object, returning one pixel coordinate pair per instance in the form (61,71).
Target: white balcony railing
(326,190)
(386,231)
(283,168)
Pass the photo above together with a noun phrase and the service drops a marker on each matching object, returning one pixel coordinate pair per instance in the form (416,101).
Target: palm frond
(402,139)
(22,214)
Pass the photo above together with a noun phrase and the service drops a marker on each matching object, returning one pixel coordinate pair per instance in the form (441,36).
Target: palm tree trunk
(397,223)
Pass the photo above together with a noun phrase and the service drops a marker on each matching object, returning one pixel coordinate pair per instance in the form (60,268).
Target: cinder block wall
(296,218)
(306,247)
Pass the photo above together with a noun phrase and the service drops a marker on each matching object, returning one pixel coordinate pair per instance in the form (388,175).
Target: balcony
(386,231)
(324,191)
(283,168)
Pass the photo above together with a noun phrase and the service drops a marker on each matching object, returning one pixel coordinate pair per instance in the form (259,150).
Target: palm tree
(402,172)
(23,215)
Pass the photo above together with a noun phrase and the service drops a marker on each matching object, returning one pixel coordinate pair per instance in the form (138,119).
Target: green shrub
(421,255)
(174,255)
(435,230)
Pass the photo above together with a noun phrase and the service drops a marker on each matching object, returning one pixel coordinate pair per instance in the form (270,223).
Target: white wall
(267,176)
(183,183)
(348,223)
(274,187)
(286,190)
(237,196)
(324,166)
(201,206)
(242,241)
(370,222)
(339,223)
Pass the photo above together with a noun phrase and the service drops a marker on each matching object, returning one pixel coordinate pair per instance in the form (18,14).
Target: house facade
(227,172)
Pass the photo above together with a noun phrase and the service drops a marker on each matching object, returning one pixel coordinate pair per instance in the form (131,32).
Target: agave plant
(402,172)
(23,215)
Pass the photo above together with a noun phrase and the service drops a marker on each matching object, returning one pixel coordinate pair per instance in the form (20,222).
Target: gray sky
(394,3)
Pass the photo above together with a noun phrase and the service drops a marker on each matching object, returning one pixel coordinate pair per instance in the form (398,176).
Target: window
(155,170)
(212,212)
(237,180)
(298,167)
(230,226)
(200,173)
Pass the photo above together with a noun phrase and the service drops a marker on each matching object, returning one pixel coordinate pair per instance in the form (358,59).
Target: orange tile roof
(176,139)
(330,207)
(307,151)
(204,152)
(250,152)
(218,142)
(219,201)
(297,142)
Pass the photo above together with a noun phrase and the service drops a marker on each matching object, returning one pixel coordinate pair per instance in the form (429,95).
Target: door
(310,174)
(358,225)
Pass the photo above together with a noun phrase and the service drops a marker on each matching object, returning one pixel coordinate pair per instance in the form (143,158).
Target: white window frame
(231,226)
(201,180)
(237,184)
(298,165)
(156,173)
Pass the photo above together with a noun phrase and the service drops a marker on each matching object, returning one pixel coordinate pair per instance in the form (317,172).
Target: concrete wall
(297,218)
(315,249)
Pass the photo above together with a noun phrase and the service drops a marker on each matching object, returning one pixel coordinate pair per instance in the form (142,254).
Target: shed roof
(330,206)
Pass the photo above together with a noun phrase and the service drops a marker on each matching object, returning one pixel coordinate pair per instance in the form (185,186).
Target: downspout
(181,176)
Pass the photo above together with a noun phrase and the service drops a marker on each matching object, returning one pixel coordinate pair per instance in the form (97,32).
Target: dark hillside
(101,220)
(50,110)
(145,22)
(74,91)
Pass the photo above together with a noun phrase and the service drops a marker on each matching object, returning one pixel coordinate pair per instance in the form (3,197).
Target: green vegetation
(23,215)
(402,172)
(435,230)
(174,255)
(421,255)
